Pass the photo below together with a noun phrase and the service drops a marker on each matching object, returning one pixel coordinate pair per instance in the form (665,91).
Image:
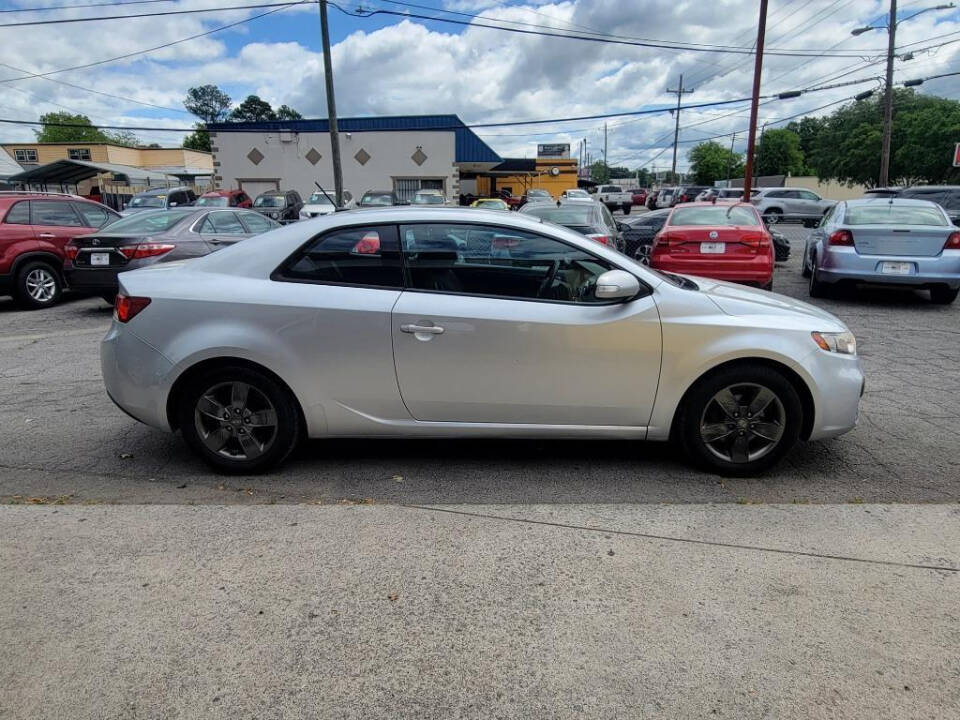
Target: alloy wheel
(236,420)
(41,285)
(742,423)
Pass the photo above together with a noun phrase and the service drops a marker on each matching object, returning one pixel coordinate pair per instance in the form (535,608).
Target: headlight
(844,343)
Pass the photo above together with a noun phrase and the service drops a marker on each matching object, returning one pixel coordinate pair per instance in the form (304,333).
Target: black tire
(109,298)
(626,209)
(37,285)
(201,429)
(804,268)
(768,287)
(817,289)
(773,216)
(943,295)
(699,409)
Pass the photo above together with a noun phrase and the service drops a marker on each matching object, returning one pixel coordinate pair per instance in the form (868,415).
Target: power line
(162,13)
(84,5)
(157,47)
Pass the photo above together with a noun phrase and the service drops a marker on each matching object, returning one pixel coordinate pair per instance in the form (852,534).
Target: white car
(575,194)
(428,197)
(324,203)
(459,322)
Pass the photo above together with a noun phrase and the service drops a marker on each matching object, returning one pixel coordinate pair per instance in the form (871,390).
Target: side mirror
(173,204)
(617,285)
(621,226)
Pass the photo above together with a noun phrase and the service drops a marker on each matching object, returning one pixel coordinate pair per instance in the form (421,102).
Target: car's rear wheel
(626,209)
(773,216)
(943,295)
(239,420)
(38,285)
(740,420)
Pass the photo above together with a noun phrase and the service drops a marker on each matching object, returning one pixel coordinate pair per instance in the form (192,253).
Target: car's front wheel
(773,216)
(38,285)
(740,420)
(238,419)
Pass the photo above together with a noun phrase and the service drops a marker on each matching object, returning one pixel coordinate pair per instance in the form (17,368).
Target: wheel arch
(807,404)
(176,390)
(51,259)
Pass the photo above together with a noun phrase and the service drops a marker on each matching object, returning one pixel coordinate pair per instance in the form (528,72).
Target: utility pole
(755,100)
(331,106)
(888,98)
(733,140)
(676,129)
(605,146)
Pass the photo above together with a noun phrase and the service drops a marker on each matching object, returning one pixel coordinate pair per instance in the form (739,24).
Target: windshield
(376,199)
(427,199)
(147,201)
(276,201)
(319,198)
(888,214)
(578,193)
(563,215)
(538,193)
(212,201)
(722,215)
(149,223)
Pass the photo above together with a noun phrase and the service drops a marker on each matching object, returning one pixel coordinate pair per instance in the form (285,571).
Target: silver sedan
(886,241)
(451,322)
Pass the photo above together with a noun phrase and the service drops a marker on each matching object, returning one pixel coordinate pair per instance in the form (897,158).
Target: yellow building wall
(541,179)
(829,189)
(197,159)
(52,153)
(124,155)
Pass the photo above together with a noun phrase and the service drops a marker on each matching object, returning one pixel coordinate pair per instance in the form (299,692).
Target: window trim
(79,151)
(195,228)
(26,155)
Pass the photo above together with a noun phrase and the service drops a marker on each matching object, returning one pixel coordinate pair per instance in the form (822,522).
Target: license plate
(713,248)
(99,258)
(896,268)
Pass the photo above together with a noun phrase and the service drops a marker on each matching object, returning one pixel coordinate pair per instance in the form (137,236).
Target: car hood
(742,301)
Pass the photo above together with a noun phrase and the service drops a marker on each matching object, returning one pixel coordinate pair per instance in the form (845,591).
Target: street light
(891,28)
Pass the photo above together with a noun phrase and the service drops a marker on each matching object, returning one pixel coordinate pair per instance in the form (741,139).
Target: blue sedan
(886,241)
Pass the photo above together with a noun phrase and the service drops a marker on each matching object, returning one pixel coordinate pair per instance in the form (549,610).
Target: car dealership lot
(483,578)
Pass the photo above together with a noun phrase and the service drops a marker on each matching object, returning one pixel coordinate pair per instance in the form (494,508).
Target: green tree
(253,109)
(925,128)
(808,129)
(778,153)
(207,102)
(285,112)
(123,137)
(199,139)
(710,161)
(51,130)
(600,171)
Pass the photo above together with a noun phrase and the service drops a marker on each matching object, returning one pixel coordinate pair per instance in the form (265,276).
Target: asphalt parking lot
(63,438)
(479,579)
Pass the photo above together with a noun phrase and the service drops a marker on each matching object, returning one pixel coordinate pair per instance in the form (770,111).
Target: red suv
(34,227)
(225,198)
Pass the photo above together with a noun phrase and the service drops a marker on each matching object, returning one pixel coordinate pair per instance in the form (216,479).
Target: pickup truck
(614,197)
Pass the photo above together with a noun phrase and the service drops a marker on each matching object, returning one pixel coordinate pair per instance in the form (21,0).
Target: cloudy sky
(392,63)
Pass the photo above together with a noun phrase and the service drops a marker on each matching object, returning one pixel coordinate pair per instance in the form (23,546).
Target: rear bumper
(847,264)
(134,375)
(90,280)
(754,272)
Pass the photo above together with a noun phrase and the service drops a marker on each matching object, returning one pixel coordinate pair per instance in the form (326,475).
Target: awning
(75,171)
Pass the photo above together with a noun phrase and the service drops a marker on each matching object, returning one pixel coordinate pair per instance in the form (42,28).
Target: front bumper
(134,374)
(838,386)
(840,264)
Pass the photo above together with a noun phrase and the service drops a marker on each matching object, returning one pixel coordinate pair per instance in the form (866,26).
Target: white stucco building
(399,153)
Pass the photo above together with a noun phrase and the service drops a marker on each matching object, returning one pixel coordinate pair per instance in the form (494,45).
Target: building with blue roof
(403,153)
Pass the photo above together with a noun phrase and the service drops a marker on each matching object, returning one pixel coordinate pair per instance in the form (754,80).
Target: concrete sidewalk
(363,611)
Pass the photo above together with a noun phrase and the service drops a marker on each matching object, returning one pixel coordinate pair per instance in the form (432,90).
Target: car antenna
(327,195)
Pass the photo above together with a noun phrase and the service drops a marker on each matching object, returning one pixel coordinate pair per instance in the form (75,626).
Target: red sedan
(723,241)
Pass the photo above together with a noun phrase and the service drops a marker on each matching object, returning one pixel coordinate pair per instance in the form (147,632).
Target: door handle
(428,329)
(46,235)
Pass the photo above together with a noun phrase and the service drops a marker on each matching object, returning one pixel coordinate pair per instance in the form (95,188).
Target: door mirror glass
(173,204)
(617,285)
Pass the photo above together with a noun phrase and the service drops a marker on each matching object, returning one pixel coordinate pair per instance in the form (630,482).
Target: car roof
(221,193)
(162,191)
(906,202)
(722,202)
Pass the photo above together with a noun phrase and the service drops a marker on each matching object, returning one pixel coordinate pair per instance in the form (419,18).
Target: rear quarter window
(19,213)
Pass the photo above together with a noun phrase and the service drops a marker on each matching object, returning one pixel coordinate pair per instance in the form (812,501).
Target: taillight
(757,241)
(71,251)
(602,239)
(953,242)
(841,238)
(126,308)
(144,250)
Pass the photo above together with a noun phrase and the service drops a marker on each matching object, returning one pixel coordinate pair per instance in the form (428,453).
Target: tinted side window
(807,195)
(92,215)
(223,223)
(54,212)
(350,256)
(19,214)
(503,262)
(778,194)
(950,200)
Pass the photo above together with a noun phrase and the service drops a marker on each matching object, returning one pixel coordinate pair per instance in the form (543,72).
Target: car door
(807,204)
(501,326)
(56,221)
(220,229)
(257,223)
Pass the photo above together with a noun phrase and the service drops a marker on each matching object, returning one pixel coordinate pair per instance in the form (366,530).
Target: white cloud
(480,74)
